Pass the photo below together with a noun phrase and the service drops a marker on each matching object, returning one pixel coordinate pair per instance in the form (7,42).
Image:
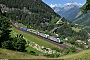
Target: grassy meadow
(9,54)
(84,55)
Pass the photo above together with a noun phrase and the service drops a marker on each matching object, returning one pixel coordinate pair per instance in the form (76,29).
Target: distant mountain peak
(71,8)
(67,4)
(74,4)
(66,7)
(70,5)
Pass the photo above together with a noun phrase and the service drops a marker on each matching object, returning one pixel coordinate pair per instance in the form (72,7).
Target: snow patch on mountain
(78,14)
(68,6)
(55,5)
(73,3)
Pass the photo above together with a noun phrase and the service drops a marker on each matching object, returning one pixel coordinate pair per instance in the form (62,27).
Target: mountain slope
(70,11)
(36,15)
(33,13)
(84,20)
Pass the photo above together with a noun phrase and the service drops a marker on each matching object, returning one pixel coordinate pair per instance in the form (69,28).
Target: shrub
(16,43)
(7,44)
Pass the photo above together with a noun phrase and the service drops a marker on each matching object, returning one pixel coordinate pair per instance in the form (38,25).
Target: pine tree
(86,7)
(4,29)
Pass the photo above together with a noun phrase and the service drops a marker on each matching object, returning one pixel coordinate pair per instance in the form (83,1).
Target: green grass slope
(9,54)
(33,39)
(81,55)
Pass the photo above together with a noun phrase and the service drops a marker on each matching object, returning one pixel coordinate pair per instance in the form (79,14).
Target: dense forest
(32,13)
(86,6)
(68,31)
(38,15)
(6,41)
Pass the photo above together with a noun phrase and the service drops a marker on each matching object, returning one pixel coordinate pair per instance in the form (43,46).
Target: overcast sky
(63,2)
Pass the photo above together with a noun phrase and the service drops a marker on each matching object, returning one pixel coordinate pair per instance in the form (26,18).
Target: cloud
(55,5)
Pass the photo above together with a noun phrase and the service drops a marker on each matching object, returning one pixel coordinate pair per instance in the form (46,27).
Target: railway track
(63,45)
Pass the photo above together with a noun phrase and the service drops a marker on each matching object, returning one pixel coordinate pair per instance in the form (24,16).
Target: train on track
(47,36)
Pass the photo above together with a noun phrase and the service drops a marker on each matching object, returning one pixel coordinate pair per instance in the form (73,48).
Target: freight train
(47,36)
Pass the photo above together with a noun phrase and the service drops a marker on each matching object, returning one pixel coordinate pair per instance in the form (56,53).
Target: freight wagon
(52,38)
(24,29)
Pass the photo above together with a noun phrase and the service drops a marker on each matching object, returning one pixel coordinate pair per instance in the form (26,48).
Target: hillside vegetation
(81,55)
(37,15)
(84,19)
(32,13)
(9,54)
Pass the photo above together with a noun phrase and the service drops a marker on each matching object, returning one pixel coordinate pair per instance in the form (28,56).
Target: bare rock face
(78,14)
